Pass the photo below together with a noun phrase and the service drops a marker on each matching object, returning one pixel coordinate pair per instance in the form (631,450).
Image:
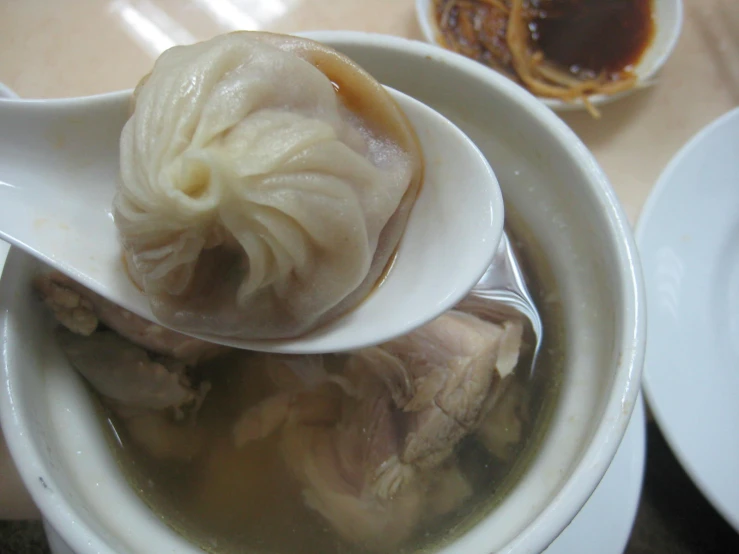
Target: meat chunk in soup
(82,311)
(453,366)
(71,308)
(126,373)
(372,443)
(151,394)
(502,429)
(335,437)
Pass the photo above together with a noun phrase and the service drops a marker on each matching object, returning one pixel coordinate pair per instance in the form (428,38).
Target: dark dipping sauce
(592,36)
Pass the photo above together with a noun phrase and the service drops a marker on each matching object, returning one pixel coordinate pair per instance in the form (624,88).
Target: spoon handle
(58,172)
(55,147)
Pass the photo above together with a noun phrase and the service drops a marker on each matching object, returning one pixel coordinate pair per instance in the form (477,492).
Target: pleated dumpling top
(266,181)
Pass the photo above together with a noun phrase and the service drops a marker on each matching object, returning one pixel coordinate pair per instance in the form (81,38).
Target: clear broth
(244,500)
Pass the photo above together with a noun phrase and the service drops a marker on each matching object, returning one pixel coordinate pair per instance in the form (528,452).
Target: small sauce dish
(668,20)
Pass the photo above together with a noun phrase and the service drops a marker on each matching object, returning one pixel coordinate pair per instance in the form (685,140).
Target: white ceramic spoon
(58,172)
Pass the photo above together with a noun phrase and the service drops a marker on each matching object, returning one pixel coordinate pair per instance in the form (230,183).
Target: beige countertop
(79,47)
(51,48)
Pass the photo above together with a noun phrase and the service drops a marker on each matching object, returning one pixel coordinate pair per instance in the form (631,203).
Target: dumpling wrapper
(266,181)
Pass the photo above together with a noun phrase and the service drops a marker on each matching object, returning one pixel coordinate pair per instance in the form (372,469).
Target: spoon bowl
(58,174)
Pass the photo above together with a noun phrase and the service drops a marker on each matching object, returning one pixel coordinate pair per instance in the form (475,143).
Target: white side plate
(688,235)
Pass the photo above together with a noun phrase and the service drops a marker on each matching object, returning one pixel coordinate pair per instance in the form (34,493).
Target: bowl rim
(427,24)
(625,385)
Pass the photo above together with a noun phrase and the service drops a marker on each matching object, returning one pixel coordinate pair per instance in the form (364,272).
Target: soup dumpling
(266,181)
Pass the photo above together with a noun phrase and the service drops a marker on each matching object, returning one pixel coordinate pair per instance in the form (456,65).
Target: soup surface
(228,498)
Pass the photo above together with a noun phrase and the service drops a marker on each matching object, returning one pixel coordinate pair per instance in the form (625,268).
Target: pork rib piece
(150,394)
(454,365)
(372,443)
(126,373)
(81,311)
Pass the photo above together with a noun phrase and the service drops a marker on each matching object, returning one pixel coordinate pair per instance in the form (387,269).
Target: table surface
(79,47)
